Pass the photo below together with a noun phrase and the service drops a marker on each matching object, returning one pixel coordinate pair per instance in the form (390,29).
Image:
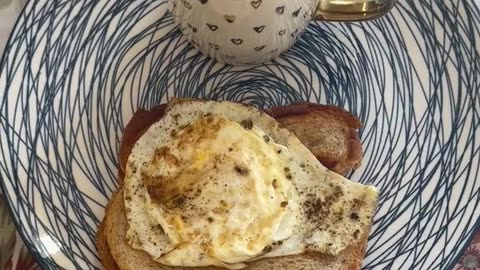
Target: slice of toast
(112,237)
(329,132)
(115,253)
(101,241)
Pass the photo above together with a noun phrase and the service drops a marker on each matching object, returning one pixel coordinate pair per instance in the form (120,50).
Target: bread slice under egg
(329,132)
(115,253)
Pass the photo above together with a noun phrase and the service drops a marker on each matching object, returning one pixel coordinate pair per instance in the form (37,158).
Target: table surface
(14,255)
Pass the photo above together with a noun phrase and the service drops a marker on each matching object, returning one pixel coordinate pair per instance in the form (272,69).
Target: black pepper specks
(278,243)
(354,216)
(275,183)
(223,203)
(316,209)
(266,138)
(288,175)
(338,191)
(178,202)
(247,124)
(243,171)
(267,249)
(284,204)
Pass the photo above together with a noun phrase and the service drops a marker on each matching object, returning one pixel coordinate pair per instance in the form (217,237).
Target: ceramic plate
(74,72)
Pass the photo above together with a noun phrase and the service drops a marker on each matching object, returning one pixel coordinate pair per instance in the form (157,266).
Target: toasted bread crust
(127,258)
(115,253)
(103,248)
(138,125)
(329,132)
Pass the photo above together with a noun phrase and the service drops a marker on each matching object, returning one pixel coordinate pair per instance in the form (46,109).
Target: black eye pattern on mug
(256,4)
(230,18)
(294,33)
(280,10)
(214,46)
(259,48)
(187,4)
(236,41)
(193,28)
(212,27)
(259,29)
(296,12)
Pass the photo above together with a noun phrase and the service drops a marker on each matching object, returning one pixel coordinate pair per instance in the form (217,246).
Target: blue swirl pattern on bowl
(74,72)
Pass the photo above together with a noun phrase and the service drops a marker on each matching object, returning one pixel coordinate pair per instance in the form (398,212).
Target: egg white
(283,201)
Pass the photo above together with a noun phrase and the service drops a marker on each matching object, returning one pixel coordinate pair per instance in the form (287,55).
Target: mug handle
(352,10)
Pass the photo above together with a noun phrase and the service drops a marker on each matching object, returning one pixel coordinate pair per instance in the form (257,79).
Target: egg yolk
(225,197)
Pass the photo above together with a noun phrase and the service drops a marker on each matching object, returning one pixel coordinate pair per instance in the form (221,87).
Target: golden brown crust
(128,258)
(112,230)
(138,125)
(102,245)
(329,132)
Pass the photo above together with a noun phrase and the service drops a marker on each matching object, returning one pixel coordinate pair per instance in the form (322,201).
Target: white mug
(254,31)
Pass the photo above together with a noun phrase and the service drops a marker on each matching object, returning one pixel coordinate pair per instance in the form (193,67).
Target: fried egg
(220,184)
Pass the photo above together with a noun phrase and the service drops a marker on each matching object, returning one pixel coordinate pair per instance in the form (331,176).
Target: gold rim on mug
(352,10)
